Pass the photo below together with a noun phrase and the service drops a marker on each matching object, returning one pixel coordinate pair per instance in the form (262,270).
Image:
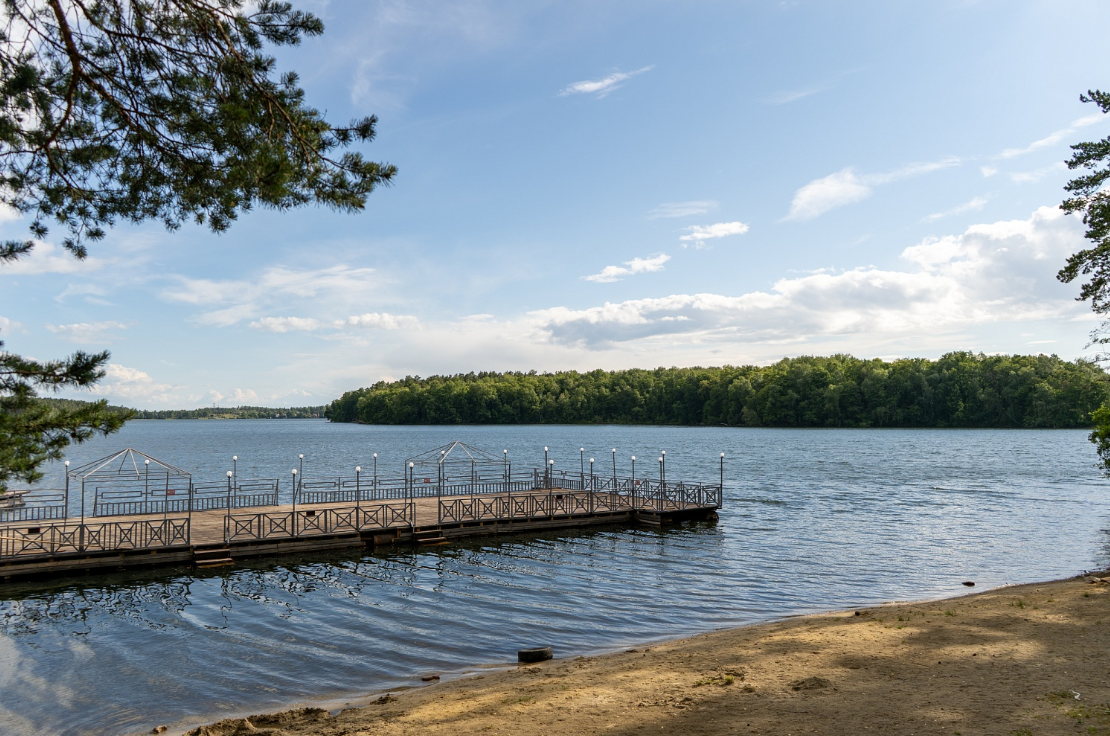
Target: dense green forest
(961,389)
(215,412)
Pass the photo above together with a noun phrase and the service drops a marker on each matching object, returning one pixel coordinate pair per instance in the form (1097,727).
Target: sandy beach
(1015,661)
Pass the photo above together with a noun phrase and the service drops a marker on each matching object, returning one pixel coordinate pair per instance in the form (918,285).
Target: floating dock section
(136,511)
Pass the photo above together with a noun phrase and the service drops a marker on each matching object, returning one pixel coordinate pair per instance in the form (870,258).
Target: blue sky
(621,184)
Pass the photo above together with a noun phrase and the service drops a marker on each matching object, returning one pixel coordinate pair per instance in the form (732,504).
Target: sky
(608,184)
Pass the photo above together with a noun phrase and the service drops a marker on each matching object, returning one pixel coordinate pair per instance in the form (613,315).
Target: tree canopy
(140,110)
(1090,200)
(165,110)
(959,390)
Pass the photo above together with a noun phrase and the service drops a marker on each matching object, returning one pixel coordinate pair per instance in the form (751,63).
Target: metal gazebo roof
(126,465)
(455,453)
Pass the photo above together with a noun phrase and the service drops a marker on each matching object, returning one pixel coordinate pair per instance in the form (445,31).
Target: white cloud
(49,258)
(847,187)
(130,386)
(974,205)
(286,324)
(682,209)
(88,333)
(370,320)
(821,195)
(1028,177)
(630,268)
(379,321)
(9,214)
(245,299)
(700,233)
(1000,272)
(601,87)
(8,325)
(1053,138)
(240,397)
(988,171)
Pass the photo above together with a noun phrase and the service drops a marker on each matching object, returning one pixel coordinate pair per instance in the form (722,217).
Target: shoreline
(1007,660)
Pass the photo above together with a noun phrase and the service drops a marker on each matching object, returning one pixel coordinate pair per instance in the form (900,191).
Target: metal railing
(136,500)
(101,536)
(38,505)
(315,522)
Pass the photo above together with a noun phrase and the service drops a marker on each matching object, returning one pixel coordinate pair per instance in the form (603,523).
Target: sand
(1015,661)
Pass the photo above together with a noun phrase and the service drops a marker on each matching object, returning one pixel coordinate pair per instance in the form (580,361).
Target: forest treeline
(214,412)
(961,389)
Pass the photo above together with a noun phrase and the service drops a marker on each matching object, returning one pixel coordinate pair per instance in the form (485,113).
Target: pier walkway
(136,511)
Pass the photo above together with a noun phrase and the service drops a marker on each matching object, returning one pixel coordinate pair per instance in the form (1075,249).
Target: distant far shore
(1027,659)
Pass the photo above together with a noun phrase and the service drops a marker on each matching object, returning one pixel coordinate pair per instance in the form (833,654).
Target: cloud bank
(1001,272)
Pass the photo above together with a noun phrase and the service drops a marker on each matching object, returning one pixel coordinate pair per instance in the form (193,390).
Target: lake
(813,520)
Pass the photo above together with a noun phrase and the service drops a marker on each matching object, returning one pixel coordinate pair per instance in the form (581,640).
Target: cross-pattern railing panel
(101,536)
(316,522)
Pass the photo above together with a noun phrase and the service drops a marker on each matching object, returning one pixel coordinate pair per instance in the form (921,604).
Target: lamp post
(412,504)
(375,475)
(300,471)
(722,498)
(65,508)
(358,492)
(545,466)
(235,471)
(614,468)
(582,468)
(227,514)
(146,484)
(593,485)
(505,467)
(663,479)
(633,482)
(550,477)
(294,471)
(659,504)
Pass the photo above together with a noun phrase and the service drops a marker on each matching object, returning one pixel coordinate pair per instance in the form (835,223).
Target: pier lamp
(358,490)
(67,490)
(663,454)
(301,467)
(545,456)
(550,472)
(228,514)
(722,475)
(633,481)
(375,471)
(614,468)
(505,465)
(591,472)
(294,472)
(235,469)
(582,466)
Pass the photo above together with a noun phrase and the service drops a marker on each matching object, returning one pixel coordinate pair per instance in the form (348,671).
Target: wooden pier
(177,523)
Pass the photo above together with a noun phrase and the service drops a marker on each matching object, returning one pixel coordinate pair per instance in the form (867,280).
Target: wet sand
(1016,661)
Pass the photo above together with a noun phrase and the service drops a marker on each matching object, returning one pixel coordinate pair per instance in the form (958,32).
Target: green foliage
(32,430)
(1100,436)
(960,389)
(1092,201)
(166,110)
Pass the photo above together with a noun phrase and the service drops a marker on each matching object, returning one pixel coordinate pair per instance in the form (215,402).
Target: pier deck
(55,547)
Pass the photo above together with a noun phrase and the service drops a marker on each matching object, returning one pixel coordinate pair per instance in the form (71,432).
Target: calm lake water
(813,520)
